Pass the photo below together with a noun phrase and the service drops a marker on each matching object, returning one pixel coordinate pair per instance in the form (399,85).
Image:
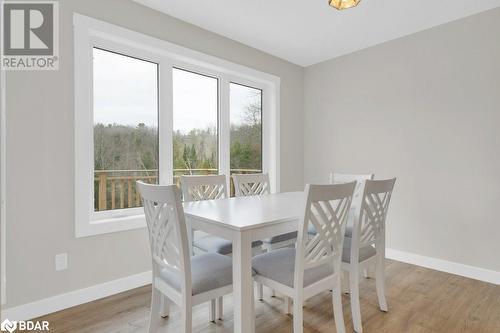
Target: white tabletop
(250,212)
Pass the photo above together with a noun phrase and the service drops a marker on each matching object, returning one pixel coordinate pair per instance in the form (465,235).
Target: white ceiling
(306,32)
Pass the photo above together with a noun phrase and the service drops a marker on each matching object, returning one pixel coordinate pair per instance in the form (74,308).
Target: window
(195,108)
(246,129)
(125,128)
(149,110)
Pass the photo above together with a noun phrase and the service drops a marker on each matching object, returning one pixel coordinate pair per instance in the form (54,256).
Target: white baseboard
(472,272)
(77,297)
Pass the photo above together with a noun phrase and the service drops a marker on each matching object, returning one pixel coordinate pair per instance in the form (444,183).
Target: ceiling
(306,32)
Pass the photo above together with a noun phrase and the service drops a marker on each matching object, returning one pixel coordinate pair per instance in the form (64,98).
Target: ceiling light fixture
(343,4)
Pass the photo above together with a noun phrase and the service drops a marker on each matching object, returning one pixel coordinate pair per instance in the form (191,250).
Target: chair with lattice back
(251,184)
(366,247)
(315,264)
(196,188)
(179,278)
(339,178)
(211,187)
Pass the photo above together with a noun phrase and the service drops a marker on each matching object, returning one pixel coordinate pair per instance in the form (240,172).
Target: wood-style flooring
(420,301)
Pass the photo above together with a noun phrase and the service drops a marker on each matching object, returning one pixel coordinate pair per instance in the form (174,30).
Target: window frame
(90,33)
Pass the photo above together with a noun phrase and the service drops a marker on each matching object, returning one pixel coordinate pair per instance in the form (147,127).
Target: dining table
(244,220)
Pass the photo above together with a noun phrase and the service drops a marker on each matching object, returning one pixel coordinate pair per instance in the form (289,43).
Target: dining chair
(197,188)
(338,178)
(366,248)
(258,184)
(314,265)
(177,277)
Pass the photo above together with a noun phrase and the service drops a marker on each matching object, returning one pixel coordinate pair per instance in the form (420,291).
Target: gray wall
(426,109)
(40,167)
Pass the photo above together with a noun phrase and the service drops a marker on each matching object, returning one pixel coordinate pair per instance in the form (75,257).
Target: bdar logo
(8,326)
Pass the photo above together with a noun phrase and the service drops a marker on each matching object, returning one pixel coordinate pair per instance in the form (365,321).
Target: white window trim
(3,187)
(89,32)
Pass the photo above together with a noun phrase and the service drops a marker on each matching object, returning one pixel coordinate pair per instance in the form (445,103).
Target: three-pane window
(126,127)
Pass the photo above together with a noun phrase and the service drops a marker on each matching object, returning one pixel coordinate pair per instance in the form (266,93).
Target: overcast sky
(125,92)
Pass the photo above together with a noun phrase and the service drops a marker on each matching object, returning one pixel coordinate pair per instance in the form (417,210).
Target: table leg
(244,317)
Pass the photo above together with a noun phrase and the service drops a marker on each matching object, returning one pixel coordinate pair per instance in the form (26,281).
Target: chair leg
(354,293)
(368,272)
(154,321)
(269,249)
(380,284)
(220,307)
(164,307)
(337,306)
(298,316)
(345,282)
(187,317)
(211,311)
(260,289)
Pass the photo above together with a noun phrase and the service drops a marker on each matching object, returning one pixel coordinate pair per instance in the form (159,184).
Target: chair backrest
(369,228)
(197,188)
(167,230)
(251,184)
(327,208)
(338,178)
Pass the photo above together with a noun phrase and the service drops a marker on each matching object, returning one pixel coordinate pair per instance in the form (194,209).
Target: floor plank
(420,301)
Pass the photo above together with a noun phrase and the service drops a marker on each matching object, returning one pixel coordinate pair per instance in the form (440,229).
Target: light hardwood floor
(420,301)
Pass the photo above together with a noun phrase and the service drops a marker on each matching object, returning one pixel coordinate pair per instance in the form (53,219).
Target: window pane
(246,129)
(125,128)
(195,99)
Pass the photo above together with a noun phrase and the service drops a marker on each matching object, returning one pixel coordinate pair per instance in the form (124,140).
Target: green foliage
(120,147)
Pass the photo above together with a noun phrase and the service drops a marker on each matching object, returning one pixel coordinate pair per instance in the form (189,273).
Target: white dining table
(243,220)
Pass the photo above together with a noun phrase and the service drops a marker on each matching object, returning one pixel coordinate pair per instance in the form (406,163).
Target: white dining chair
(366,247)
(315,264)
(339,178)
(258,184)
(177,277)
(197,188)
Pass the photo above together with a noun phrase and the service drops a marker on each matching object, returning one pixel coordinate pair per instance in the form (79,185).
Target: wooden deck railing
(115,189)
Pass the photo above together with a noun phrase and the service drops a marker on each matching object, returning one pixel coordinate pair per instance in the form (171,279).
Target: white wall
(426,109)
(40,157)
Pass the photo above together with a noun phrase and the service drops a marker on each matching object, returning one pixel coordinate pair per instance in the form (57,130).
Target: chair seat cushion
(365,252)
(214,244)
(208,271)
(279,265)
(280,238)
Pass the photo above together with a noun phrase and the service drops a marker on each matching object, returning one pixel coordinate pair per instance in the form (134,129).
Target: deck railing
(115,189)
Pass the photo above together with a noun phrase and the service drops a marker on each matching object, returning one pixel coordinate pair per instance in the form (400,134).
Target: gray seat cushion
(279,266)
(364,252)
(214,244)
(281,238)
(208,271)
